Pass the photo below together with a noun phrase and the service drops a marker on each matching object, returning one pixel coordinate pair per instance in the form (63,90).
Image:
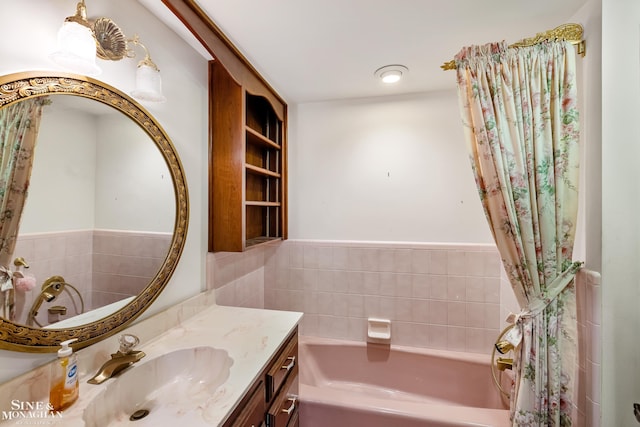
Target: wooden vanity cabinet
(272,400)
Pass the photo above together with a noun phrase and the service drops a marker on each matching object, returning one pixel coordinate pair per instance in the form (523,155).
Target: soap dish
(379,330)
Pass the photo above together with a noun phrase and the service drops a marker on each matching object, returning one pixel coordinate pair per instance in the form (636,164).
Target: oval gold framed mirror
(26,336)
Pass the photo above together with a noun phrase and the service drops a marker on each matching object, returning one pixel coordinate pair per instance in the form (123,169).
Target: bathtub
(353,384)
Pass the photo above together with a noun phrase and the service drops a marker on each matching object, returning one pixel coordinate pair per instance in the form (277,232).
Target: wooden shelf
(260,203)
(248,172)
(253,137)
(260,240)
(261,171)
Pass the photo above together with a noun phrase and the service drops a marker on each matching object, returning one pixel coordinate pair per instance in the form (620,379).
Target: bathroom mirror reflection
(99,214)
(104,219)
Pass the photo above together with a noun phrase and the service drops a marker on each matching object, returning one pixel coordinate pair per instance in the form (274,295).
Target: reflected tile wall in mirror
(105,266)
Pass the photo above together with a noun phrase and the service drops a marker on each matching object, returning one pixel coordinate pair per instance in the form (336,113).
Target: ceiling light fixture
(80,41)
(391,73)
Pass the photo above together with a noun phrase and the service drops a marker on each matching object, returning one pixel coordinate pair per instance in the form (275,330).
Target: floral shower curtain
(19,124)
(520,117)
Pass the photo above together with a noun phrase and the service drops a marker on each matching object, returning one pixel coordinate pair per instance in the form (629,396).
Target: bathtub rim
(449,354)
(311,394)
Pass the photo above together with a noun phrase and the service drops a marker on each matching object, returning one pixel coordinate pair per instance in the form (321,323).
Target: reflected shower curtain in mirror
(519,112)
(19,124)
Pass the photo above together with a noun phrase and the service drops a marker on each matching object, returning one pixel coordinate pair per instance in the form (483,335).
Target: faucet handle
(127,342)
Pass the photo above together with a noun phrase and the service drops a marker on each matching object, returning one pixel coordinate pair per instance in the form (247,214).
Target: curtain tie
(539,303)
(6,279)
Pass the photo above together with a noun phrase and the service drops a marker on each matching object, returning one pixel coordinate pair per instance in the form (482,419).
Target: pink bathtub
(352,384)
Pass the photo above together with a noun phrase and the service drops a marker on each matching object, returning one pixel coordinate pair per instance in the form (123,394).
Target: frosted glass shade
(76,49)
(148,84)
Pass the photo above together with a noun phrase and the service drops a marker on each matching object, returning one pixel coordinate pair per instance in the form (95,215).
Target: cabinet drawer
(253,413)
(284,409)
(286,363)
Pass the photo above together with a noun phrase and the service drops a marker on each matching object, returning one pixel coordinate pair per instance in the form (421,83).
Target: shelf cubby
(248,158)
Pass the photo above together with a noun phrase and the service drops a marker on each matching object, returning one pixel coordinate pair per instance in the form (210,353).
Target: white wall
(134,190)
(620,207)
(96,171)
(61,193)
(30,36)
(383,169)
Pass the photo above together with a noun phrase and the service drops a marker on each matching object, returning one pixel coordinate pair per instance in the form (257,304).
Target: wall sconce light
(81,41)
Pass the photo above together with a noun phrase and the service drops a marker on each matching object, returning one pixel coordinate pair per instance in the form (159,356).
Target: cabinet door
(253,414)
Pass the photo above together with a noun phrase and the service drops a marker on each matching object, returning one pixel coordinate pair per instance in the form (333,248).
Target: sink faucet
(119,361)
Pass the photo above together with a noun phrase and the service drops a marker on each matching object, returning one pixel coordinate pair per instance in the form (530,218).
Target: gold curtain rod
(569,32)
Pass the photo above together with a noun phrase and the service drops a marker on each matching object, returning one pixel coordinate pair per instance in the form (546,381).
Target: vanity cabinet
(272,400)
(247,179)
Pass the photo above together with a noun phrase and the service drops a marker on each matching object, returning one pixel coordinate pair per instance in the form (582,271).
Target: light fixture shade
(148,84)
(76,49)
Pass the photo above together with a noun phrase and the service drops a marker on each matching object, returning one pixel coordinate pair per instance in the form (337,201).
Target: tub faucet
(504,363)
(120,360)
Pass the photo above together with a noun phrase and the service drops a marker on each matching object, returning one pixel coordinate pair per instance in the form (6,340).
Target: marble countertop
(250,336)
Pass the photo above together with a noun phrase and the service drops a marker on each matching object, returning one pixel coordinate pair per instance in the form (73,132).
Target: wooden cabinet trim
(223,50)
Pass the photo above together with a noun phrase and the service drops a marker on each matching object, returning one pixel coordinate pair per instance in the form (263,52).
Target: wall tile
(438,312)
(456,288)
(387,284)
(456,263)
(403,309)
(325,257)
(341,282)
(420,286)
(420,311)
(309,279)
(325,280)
(403,260)
(456,313)
(456,338)
(387,260)
(340,258)
(371,283)
(403,285)
(355,281)
(491,289)
(310,256)
(475,315)
(355,304)
(438,262)
(475,289)
(438,337)
(439,288)
(420,261)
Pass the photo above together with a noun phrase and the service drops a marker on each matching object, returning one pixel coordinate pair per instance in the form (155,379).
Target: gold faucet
(120,360)
(504,363)
(504,346)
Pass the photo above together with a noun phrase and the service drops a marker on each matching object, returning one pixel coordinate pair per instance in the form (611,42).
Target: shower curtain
(19,124)
(520,117)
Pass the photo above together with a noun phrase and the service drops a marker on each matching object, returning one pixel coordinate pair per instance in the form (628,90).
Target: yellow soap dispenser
(64,378)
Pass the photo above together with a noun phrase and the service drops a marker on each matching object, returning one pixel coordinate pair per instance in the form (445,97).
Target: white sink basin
(174,388)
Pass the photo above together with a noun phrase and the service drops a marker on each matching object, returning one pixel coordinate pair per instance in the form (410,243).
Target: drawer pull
(291,364)
(290,409)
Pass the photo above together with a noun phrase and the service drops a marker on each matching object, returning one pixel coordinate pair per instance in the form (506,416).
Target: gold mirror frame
(20,86)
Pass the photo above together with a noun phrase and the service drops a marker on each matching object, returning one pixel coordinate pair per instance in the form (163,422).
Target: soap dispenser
(64,378)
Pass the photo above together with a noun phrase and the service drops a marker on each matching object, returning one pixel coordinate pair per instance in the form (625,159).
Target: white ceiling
(311,50)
